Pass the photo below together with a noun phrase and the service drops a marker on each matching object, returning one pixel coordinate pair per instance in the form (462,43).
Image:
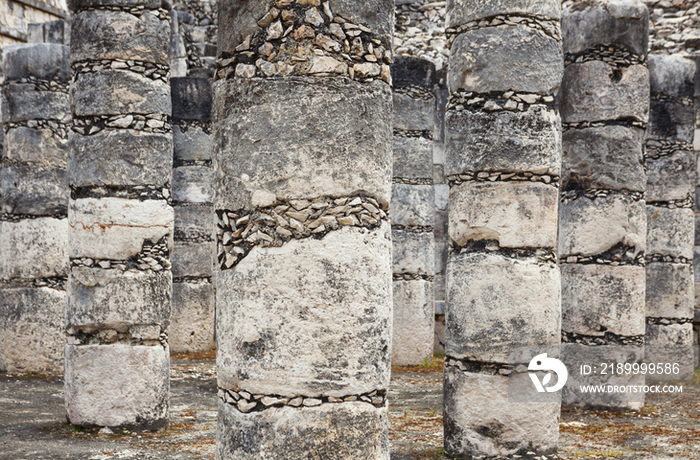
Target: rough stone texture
(28,189)
(516,214)
(590,227)
(351,430)
(671,121)
(413,205)
(35,145)
(599,299)
(596,91)
(105,161)
(192,143)
(132,394)
(116,228)
(354,115)
(112,299)
(616,22)
(463,11)
(193,258)
(671,177)
(324,333)
(478,331)
(672,75)
(413,252)
(414,322)
(413,114)
(605,157)
(21,102)
(192,319)
(670,231)
(31,330)
(413,157)
(46,61)
(192,184)
(34,248)
(193,98)
(669,292)
(120,35)
(503,141)
(496,425)
(194,221)
(517,58)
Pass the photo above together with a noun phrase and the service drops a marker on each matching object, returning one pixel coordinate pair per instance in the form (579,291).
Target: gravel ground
(33,426)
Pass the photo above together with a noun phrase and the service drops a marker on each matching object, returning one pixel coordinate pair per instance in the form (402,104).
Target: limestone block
(34,248)
(44,61)
(617,22)
(192,320)
(598,298)
(130,93)
(36,145)
(148,4)
(593,91)
(30,190)
(516,214)
(605,157)
(21,102)
(193,259)
(517,58)
(412,205)
(116,228)
(575,355)
(115,299)
(413,252)
(194,221)
(351,431)
(120,157)
(679,351)
(31,330)
(464,11)
(310,318)
(238,20)
(495,426)
(105,34)
(191,143)
(669,291)
(413,158)
(177,50)
(117,385)
(663,336)
(670,120)
(588,227)
(670,231)
(413,114)
(671,177)
(413,71)
(503,141)
(192,184)
(57,31)
(276,139)
(414,323)
(504,301)
(672,75)
(191,98)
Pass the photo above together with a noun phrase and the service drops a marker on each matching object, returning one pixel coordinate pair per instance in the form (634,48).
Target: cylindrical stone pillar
(671,162)
(120,216)
(413,211)
(602,233)
(302,184)
(192,319)
(503,149)
(33,223)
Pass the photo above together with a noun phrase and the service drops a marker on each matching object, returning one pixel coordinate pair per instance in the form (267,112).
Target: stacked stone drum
(302,186)
(503,149)
(120,215)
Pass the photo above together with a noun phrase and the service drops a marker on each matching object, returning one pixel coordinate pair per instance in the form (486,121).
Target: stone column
(192,320)
(302,184)
(413,211)
(503,148)
(120,216)
(671,163)
(696,248)
(602,234)
(33,223)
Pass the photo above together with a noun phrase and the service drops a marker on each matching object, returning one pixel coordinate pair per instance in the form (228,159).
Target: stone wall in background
(193,45)
(17,15)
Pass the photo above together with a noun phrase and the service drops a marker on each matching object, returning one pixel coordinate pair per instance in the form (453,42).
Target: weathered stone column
(671,162)
(413,211)
(33,223)
(602,234)
(503,147)
(302,183)
(192,321)
(120,217)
